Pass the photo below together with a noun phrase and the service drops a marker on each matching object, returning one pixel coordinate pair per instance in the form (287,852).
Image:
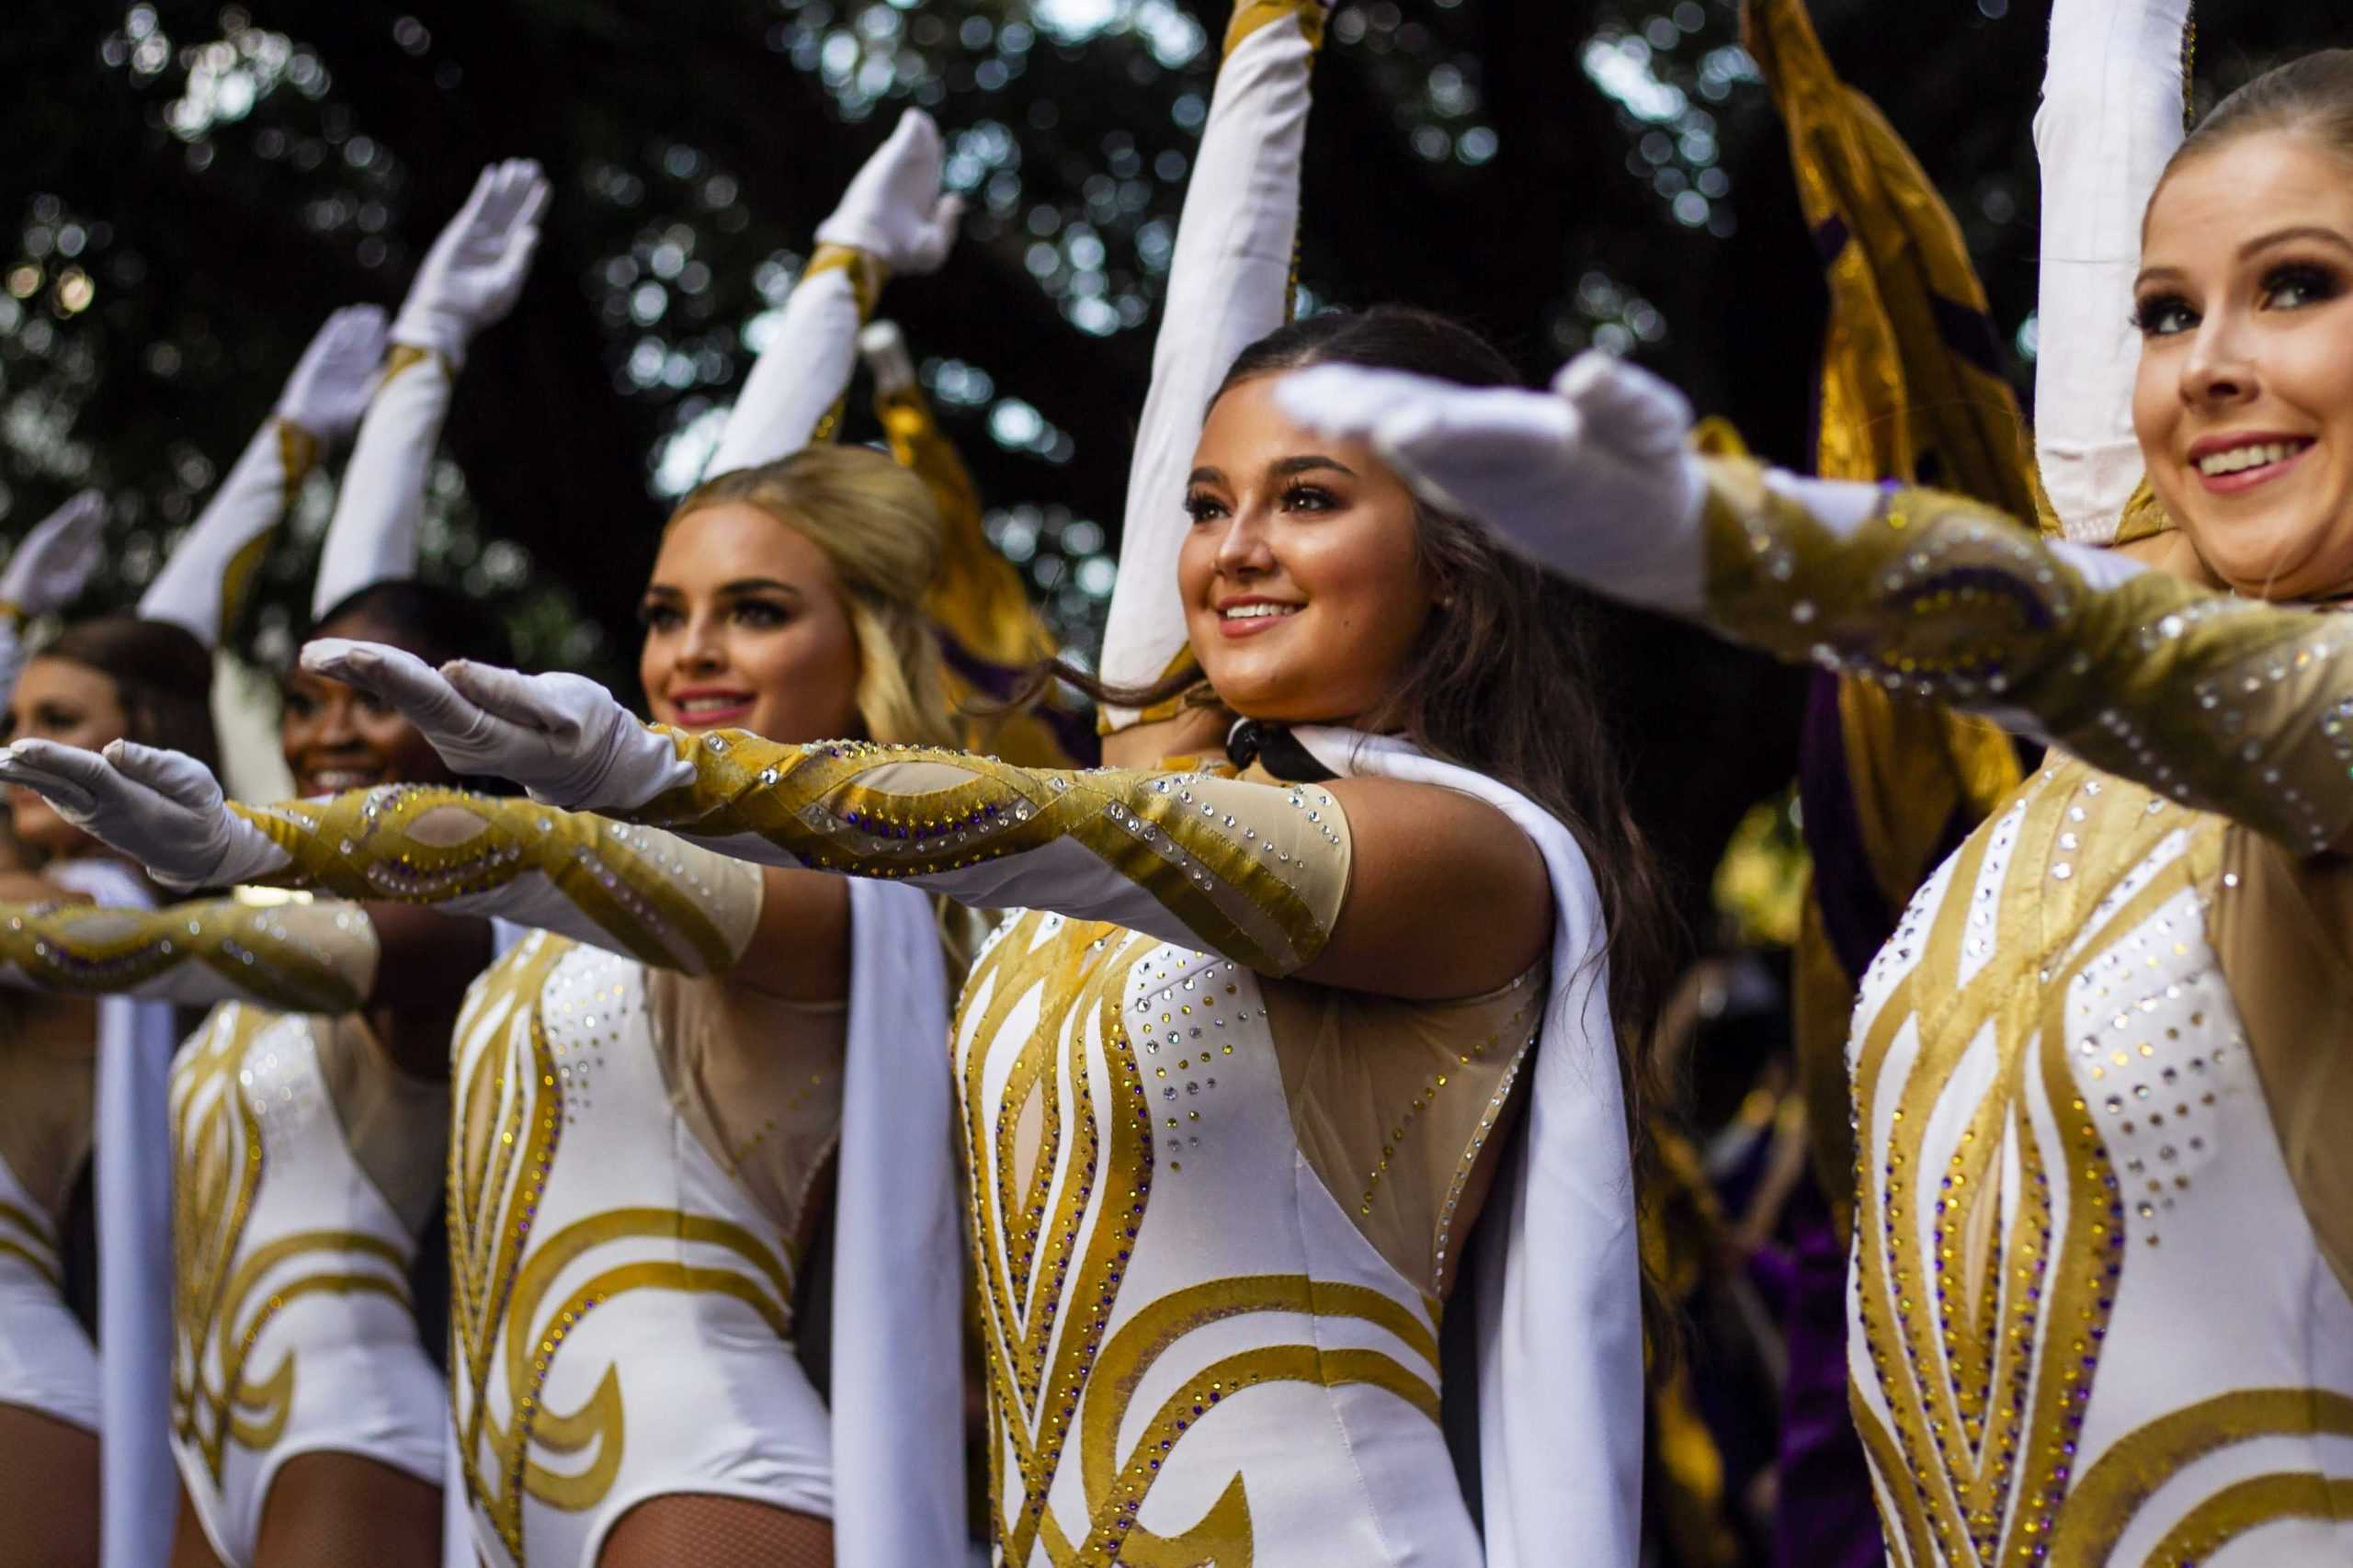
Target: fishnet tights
(716,1532)
(343,1511)
(49,1492)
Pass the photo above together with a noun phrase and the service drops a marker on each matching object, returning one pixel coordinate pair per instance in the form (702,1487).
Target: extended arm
(1273,876)
(628,888)
(2111,116)
(203,586)
(1229,285)
(2230,705)
(302,957)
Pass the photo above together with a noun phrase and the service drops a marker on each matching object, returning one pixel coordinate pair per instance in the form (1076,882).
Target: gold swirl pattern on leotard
(667,904)
(299,958)
(2230,705)
(508,1328)
(1241,867)
(28,1237)
(1053,1231)
(226,1293)
(1994,1210)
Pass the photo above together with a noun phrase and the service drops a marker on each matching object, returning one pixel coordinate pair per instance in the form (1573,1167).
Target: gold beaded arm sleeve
(1255,872)
(632,889)
(298,957)
(2229,705)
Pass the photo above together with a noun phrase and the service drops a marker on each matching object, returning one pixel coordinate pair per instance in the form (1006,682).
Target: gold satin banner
(1911,388)
(977,601)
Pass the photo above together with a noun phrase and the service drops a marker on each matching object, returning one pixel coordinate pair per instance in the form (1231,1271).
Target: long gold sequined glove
(299,958)
(2230,705)
(1254,871)
(631,889)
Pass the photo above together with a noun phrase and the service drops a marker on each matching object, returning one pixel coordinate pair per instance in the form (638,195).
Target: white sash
(137,1487)
(1559,1272)
(898,1372)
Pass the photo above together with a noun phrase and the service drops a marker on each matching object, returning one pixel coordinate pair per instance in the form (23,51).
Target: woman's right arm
(1229,285)
(1331,882)
(469,279)
(892,219)
(202,586)
(2112,117)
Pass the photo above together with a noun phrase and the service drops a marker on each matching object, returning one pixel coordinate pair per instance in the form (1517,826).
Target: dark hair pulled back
(435,623)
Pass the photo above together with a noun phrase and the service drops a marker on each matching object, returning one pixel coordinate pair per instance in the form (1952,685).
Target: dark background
(191,188)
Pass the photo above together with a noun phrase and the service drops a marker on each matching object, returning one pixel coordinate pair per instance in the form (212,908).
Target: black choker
(1276,750)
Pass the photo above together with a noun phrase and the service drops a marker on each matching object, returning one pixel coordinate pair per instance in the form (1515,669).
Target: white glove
(893,211)
(561,737)
(336,375)
(475,270)
(160,808)
(49,568)
(1592,479)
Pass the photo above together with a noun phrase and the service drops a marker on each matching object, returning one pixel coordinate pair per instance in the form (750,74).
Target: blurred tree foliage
(192,188)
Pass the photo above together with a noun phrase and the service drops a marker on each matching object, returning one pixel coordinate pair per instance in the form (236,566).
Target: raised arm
(1229,285)
(203,586)
(301,958)
(470,278)
(893,219)
(2111,116)
(2228,705)
(44,573)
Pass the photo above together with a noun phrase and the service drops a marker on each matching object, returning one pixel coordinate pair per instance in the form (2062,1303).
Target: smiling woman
(2244,404)
(66,1066)
(337,737)
(775,605)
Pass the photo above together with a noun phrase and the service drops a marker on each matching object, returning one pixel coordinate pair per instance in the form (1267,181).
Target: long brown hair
(161,672)
(1501,683)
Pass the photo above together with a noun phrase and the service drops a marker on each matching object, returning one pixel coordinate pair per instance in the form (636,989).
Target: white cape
(1558,1270)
